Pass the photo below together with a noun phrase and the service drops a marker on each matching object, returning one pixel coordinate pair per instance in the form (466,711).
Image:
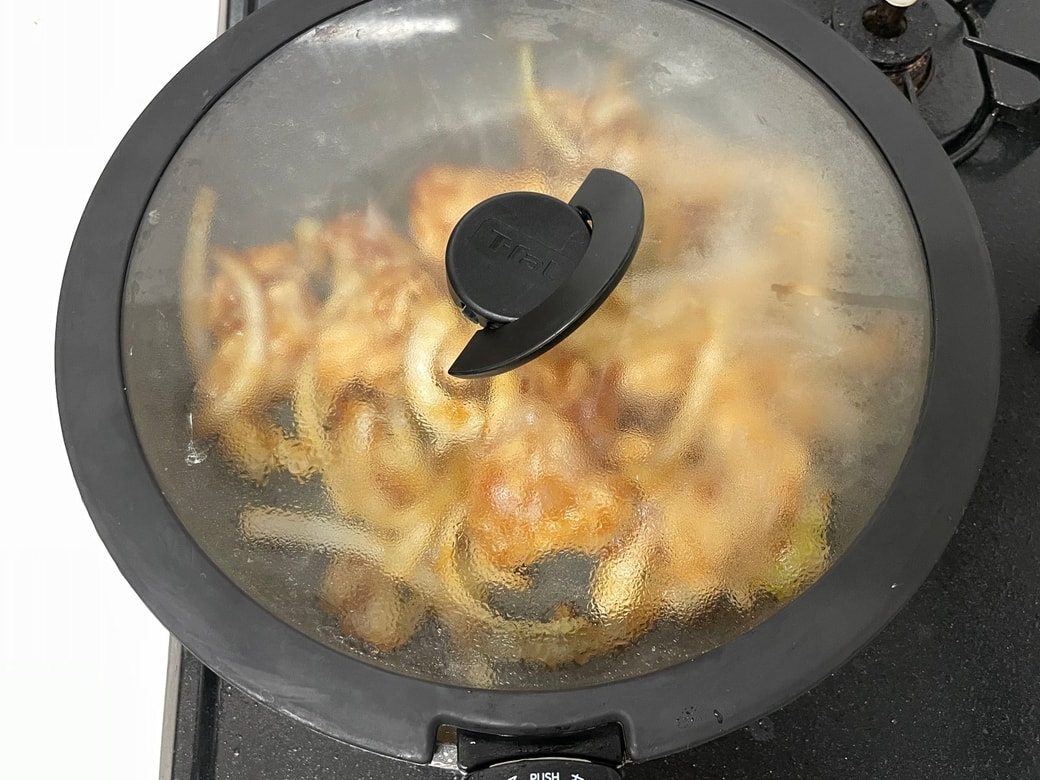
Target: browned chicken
(673,439)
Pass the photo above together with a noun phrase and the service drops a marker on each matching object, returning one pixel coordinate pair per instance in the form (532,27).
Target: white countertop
(83,660)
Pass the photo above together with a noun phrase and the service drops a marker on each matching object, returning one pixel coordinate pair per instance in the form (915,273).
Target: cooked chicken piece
(535,491)
(364,337)
(364,246)
(369,605)
(377,289)
(584,396)
(724,516)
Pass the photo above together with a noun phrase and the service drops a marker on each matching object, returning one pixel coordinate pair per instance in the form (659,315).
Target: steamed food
(675,445)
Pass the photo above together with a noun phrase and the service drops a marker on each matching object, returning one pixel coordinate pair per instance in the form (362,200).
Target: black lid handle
(516,266)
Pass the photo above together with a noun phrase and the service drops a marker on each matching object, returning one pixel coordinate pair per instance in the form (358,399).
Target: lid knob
(529,268)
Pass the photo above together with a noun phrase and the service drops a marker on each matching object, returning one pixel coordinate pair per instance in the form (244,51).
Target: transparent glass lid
(690,459)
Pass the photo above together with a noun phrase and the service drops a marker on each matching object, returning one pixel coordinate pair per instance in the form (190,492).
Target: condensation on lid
(690,459)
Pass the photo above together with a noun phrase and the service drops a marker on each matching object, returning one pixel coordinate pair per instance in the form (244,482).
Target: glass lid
(688,460)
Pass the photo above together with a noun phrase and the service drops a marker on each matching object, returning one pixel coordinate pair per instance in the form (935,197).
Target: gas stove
(951,688)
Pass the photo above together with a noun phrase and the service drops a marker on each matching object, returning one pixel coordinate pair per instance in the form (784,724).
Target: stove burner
(1025,118)
(897,36)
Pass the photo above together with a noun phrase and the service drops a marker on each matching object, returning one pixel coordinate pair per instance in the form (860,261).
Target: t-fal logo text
(524,256)
(502,243)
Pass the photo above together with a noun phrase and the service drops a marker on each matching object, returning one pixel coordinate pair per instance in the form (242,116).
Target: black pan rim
(661,712)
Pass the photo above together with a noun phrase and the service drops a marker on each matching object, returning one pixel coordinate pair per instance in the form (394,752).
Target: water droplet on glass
(194,456)
(718,716)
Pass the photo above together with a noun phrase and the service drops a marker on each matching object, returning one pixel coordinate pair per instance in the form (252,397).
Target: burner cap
(908,53)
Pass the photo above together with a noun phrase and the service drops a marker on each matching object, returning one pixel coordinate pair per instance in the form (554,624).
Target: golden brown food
(672,441)
(535,490)
(442,194)
(369,604)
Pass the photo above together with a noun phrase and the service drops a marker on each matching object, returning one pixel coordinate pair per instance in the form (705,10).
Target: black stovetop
(951,689)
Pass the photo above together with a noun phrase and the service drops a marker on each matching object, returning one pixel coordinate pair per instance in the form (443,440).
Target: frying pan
(191,573)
